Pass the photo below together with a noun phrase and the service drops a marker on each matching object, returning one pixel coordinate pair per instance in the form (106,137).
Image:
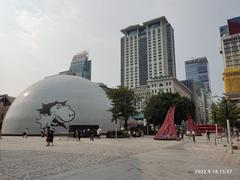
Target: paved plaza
(134,158)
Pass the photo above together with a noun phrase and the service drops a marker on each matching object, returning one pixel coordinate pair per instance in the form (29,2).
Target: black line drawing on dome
(55,114)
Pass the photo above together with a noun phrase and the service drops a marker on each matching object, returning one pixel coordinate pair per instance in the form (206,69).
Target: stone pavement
(171,163)
(128,159)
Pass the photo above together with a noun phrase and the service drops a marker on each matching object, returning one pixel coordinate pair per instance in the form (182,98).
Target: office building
(147,51)
(197,70)
(81,66)
(230,49)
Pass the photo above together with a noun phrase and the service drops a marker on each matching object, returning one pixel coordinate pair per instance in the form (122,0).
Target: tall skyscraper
(81,66)
(230,48)
(147,51)
(198,71)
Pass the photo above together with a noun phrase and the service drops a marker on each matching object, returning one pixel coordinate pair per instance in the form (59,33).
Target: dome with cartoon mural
(60,102)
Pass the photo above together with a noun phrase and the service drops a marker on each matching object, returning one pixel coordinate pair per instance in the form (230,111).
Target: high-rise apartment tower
(147,52)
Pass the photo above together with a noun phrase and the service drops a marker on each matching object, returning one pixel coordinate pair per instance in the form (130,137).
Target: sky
(39,38)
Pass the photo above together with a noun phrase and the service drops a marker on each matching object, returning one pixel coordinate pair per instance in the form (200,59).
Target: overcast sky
(39,38)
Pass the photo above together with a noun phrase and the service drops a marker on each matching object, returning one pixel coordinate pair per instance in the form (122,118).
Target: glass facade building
(197,69)
(81,66)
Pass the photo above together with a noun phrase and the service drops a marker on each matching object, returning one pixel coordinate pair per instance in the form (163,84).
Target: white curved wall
(86,99)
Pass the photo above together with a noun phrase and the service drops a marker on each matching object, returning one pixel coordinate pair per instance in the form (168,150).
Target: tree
(156,107)
(123,101)
(219,113)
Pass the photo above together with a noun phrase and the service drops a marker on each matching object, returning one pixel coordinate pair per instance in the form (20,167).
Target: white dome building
(61,102)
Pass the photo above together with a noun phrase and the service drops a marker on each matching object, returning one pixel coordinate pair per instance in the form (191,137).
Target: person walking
(75,134)
(50,136)
(92,135)
(237,134)
(99,133)
(129,133)
(178,134)
(193,135)
(182,135)
(43,132)
(25,133)
(79,134)
(208,136)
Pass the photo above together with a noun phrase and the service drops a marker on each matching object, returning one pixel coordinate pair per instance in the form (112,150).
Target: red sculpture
(168,130)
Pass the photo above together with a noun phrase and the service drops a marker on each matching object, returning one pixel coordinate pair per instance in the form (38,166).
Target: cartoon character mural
(55,114)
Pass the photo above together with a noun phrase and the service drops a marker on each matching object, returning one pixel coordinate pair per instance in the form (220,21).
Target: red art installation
(168,130)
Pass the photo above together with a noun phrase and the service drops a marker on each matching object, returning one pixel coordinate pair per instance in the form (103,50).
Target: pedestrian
(99,133)
(129,133)
(237,134)
(25,133)
(178,134)
(134,134)
(74,134)
(83,133)
(50,136)
(43,132)
(208,136)
(182,135)
(193,135)
(92,135)
(79,134)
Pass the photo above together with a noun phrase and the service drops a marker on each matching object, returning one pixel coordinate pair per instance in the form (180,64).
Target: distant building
(67,73)
(197,70)
(166,84)
(147,51)
(197,98)
(230,49)
(81,66)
